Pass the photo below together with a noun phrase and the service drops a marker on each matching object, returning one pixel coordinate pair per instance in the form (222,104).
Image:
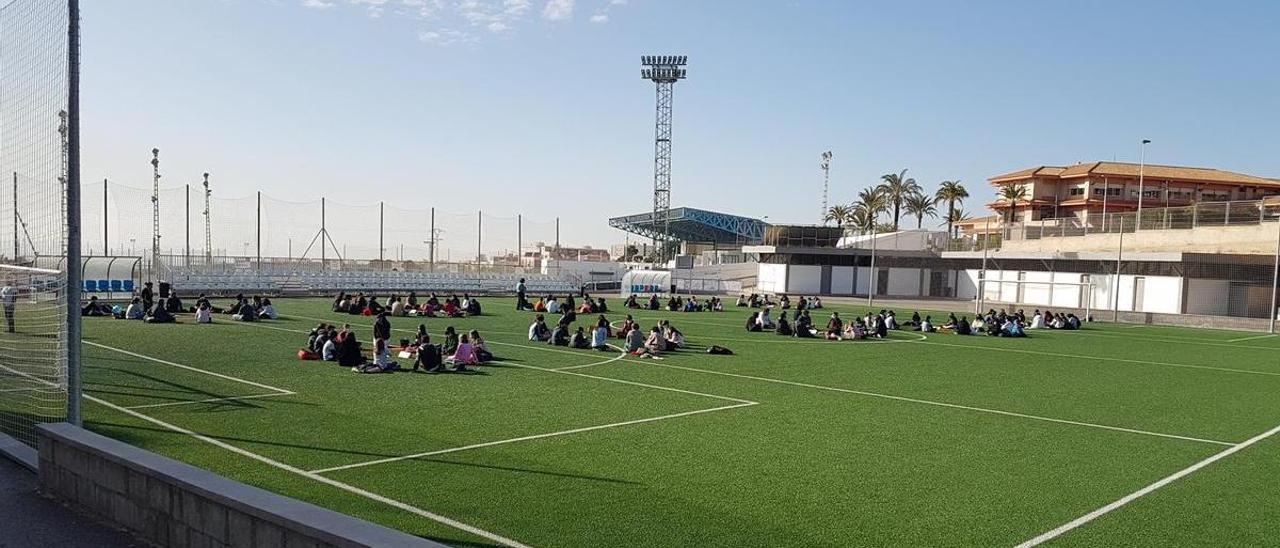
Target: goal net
(36,156)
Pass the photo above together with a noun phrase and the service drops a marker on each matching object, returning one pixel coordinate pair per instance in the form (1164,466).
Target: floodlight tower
(64,130)
(826,183)
(208,230)
(664,71)
(155,212)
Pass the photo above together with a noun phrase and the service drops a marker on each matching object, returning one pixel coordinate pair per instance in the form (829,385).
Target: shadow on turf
(527,471)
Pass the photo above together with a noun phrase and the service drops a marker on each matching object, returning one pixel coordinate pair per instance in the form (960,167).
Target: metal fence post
(982,275)
(74,266)
(873,279)
(258,233)
(1275,280)
(1115,297)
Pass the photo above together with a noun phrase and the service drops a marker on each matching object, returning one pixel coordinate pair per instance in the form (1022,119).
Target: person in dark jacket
(382,327)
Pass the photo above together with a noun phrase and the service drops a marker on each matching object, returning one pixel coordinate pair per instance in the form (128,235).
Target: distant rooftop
(1130,170)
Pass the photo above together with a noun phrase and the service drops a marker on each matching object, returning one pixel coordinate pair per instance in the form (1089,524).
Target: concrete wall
(804,279)
(772,278)
(167,503)
(1251,239)
(842,280)
(904,282)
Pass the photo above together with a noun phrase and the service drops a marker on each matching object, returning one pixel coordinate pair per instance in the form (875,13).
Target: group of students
(164,309)
(784,302)
(675,303)
(552,305)
(661,338)
(329,343)
(433,306)
(872,326)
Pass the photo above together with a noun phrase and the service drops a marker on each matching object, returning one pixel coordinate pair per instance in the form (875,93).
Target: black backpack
(719,350)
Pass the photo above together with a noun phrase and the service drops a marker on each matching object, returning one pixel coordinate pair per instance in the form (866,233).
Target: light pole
(1142,167)
(664,71)
(826,183)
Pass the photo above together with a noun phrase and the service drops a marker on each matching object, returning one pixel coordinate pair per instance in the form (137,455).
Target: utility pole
(208,226)
(155,213)
(826,184)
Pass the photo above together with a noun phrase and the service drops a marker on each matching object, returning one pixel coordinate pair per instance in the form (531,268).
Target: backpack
(304,354)
(719,350)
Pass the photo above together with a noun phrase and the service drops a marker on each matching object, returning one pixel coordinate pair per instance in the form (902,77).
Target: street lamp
(1142,165)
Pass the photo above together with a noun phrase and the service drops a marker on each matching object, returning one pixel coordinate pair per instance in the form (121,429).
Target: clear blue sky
(537,107)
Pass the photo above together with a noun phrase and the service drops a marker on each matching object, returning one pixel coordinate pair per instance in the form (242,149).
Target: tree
(897,187)
(920,206)
(839,214)
(1013,194)
(871,203)
(956,215)
(951,192)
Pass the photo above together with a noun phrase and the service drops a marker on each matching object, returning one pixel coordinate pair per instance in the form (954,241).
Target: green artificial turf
(944,440)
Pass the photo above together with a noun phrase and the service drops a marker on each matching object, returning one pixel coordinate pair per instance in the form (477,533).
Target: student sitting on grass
(135,310)
(204,314)
(673,336)
(329,349)
(602,321)
(963,327)
(538,331)
(349,354)
(635,342)
(854,330)
(784,327)
(173,304)
(381,360)
(1012,328)
(541,305)
(553,306)
(463,355)
(835,327)
(653,302)
(472,307)
(742,301)
(627,324)
(655,342)
(95,309)
(881,329)
(579,339)
(753,323)
(483,355)
(601,306)
(926,325)
(1037,321)
(804,325)
(765,321)
(600,337)
(245,312)
(890,321)
(631,302)
(1073,322)
(268,310)
(560,335)
(159,314)
(450,341)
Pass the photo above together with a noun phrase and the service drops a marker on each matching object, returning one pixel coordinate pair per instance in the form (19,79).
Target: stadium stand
(284,281)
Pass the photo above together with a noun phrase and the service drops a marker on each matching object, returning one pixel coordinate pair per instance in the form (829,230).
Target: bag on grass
(719,350)
(304,354)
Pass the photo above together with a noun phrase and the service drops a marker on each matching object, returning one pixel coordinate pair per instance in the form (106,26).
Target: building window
(1078,191)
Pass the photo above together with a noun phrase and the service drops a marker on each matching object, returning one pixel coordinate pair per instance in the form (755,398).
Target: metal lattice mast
(664,71)
(155,212)
(63,133)
(208,231)
(826,184)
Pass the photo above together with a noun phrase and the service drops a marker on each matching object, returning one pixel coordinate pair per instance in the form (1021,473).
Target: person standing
(148,297)
(520,297)
(9,295)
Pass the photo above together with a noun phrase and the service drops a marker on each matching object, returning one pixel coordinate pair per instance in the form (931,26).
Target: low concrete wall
(168,503)
(1245,239)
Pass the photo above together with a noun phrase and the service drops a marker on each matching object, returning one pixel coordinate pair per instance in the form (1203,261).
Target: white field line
(1255,337)
(1078,522)
(211,400)
(944,404)
(921,336)
(1103,358)
(621,354)
(533,437)
(189,368)
(271,462)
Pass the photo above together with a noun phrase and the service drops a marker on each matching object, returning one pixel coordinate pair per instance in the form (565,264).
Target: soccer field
(915,440)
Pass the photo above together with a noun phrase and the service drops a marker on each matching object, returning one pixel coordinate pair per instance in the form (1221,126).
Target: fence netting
(34,148)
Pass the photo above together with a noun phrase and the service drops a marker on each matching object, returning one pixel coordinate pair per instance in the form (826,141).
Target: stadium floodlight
(663,72)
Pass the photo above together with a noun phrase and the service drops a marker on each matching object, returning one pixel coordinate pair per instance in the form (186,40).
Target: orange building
(1054,192)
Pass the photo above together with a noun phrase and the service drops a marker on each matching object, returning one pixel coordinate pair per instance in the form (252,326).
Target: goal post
(34,374)
(1048,294)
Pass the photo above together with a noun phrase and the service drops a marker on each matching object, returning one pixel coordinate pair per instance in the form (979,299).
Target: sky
(536,107)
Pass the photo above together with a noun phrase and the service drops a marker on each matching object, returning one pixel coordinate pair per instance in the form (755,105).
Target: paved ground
(31,520)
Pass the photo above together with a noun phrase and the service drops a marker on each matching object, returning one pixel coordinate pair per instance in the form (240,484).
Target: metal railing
(1207,214)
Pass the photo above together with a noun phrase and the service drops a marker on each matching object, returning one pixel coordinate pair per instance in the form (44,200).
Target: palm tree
(956,215)
(1013,194)
(871,203)
(838,214)
(921,206)
(951,192)
(897,187)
